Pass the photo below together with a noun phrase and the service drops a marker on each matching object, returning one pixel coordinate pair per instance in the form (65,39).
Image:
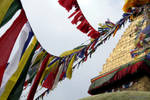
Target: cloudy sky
(56,34)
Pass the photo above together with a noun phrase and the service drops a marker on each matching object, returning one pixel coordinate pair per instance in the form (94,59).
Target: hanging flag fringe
(78,16)
(37,78)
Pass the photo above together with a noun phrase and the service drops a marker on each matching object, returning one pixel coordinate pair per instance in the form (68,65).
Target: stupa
(120,66)
(127,70)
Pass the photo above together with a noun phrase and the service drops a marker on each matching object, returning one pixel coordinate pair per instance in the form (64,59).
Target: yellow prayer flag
(69,70)
(48,68)
(4,6)
(115,31)
(12,81)
(69,52)
(39,57)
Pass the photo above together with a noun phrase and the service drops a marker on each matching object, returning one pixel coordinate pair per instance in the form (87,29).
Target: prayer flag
(15,84)
(8,40)
(4,6)
(15,6)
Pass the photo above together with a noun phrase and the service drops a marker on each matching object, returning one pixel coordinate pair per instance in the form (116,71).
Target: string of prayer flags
(47,70)
(33,69)
(104,28)
(37,78)
(50,79)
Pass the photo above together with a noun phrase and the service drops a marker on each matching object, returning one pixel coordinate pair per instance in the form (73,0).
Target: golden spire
(121,53)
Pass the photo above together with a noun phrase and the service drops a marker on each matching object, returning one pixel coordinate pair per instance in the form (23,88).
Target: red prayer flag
(8,40)
(48,83)
(37,78)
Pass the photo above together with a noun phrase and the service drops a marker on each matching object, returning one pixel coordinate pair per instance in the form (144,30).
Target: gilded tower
(121,53)
(128,66)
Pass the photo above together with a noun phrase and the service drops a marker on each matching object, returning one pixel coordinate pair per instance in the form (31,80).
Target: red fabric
(126,71)
(74,13)
(78,16)
(93,44)
(25,84)
(48,83)
(8,40)
(94,34)
(122,73)
(62,76)
(68,4)
(37,78)
(38,46)
(84,26)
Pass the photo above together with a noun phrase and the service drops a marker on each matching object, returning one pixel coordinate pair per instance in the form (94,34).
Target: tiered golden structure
(121,54)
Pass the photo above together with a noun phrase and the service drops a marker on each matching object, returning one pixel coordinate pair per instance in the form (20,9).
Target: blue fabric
(134,55)
(126,14)
(53,61)
(127,85)
(148,56)
(81,55)
(27,42)
(146,30)
(7,64)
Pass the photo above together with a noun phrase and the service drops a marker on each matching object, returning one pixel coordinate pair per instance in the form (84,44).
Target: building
(125,70)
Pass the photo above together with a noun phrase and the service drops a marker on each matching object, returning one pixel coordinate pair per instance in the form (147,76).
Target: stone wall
(142,84)
(124,95)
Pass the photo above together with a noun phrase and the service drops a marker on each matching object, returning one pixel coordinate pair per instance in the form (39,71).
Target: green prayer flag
(15,6)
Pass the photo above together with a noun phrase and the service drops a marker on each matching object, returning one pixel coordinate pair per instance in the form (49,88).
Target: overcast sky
(56,34)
